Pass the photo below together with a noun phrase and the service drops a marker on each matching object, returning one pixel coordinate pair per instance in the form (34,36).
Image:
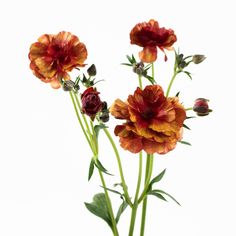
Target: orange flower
(150,36)
(153,122)
(55,55)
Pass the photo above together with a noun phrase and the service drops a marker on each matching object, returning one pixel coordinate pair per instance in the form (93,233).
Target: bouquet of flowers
(152,121)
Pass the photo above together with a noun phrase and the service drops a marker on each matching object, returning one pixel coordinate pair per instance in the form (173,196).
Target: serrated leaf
(186,127)
(186,143)
(99,208)
(91,169)
(158,177)
(99,165)
(97,128)
(167,194)
(121,209)
(158,195)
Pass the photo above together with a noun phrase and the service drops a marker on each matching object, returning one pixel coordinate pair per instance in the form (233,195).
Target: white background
(43,156)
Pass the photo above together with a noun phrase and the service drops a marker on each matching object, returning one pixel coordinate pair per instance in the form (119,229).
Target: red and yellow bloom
(150,36)
(153,121)
(53,56)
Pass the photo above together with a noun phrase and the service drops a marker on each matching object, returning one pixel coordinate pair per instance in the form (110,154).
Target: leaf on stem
(113,191)
(99,208)
(158,195)
(158,191)
(186,143)
(121,209)
(186,127)
(97,128)
(99,165)
(157,179)
(188,74)
(152,80)
(91,169)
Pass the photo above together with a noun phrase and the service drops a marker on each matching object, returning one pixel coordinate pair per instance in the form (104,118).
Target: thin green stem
(135,204)
(80,121)
(109,205)
(93,145)
(188,109)
(140,81)
(153,71)
(171,82)
(148,174)
(126,194)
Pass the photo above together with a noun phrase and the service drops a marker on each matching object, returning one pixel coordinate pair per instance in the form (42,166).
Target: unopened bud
(197,59)
(92,70)
(201,107)
(138,68)
(104,117)
(68,85)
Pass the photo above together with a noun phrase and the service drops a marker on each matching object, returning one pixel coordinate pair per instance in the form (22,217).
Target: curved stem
(126,194)
(188,109)
(171,82)
(148,174)
(135,204)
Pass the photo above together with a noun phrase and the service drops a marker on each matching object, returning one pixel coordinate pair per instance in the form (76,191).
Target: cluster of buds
(201,107)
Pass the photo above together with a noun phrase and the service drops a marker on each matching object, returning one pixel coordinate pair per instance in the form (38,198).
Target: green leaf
(157,195)
(177,94)
(91,169)
(121,209)
(190,117)
(99,208)
(186,127)
(99,165)
(167,194)
(113,191)
(97,128)
(133,59)
(188,74)
(158,178)
(129,59)
(186,143)
(152,80)
(126,64)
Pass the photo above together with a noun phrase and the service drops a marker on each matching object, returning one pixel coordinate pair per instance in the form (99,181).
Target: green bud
(92,70)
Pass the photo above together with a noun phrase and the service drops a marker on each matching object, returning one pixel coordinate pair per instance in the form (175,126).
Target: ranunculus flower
(153,122)
(53,56)
(91,103)
(150,36)
(201,107)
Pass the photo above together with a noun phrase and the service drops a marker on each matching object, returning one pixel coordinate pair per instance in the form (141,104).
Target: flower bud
(201,107)
(138,68)
(91,103)
(68,85)
(92,70)
(104,117)
(197,59)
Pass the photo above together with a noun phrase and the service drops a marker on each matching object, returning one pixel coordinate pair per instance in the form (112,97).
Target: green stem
(188,109)
(171,82)
(140,81)
(109,205)
(153,72)
(126,194)
(135,205)
(80,121)
(91,141)
(148,174)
